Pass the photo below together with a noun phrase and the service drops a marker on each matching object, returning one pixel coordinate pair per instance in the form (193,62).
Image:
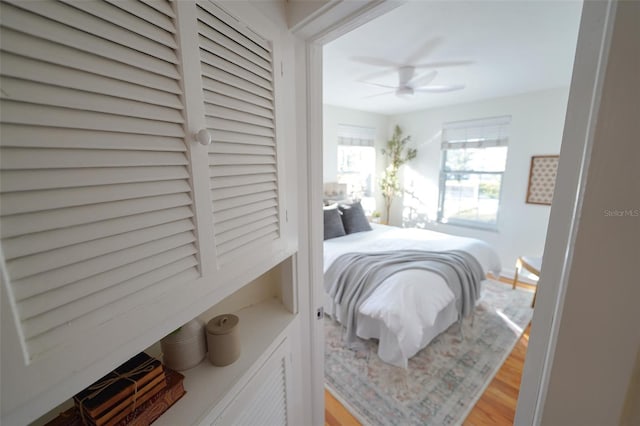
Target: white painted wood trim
(279,90)
(589,68)
(338,17)
(315,215)
(304,300)
(319,29)
(193,99)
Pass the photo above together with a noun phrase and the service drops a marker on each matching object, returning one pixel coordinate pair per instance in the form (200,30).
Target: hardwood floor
(496,406)
(335,414)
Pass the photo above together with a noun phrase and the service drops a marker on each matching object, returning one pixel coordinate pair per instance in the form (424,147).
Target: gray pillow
(333,224)
(353,218)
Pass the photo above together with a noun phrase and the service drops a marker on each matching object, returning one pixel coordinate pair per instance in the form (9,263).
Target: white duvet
(411,307)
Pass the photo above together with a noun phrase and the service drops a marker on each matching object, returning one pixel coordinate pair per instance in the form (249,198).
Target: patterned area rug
(444,380)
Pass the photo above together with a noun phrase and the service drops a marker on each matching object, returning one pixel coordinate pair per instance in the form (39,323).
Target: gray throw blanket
(353,277)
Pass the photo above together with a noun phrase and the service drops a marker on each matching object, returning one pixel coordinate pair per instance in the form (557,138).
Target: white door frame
(338,18)
(594,37)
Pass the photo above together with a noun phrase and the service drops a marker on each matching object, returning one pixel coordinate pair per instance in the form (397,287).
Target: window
(474,155)
(357,164)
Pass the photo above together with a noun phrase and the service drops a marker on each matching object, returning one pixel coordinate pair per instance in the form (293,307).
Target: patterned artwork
(542,179)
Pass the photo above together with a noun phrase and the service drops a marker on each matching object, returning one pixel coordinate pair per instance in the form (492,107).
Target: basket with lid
(223,340)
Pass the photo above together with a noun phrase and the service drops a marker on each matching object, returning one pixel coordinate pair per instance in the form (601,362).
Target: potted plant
(375,217)
(397,153)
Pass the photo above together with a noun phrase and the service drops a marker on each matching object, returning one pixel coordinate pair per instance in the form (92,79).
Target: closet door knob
(203,137)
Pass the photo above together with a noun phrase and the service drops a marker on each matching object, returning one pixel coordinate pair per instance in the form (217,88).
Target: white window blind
(356,135)
(480,133)
(96,203)
(237,80)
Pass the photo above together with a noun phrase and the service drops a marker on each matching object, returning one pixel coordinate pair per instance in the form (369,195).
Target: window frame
(354,136)
(472,140)
(343,172)
(493,226)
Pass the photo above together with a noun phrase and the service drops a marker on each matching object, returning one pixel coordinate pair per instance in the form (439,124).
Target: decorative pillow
(333,224)
(353,218)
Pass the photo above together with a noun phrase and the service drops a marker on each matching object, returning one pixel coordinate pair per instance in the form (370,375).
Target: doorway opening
(374,102)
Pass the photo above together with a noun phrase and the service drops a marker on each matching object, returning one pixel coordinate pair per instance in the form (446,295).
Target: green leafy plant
(489,190)
(397,153)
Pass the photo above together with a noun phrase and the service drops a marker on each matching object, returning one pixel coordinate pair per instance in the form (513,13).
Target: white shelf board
(261,328)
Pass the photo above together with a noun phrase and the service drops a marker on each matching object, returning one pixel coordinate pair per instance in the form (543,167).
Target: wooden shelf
(262,328)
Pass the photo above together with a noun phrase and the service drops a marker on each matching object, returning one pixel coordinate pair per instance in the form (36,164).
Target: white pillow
(330,206)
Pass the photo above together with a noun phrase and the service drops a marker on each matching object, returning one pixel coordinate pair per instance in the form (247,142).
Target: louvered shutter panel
(269,406)
(96,210)
(238,91)
(266,398)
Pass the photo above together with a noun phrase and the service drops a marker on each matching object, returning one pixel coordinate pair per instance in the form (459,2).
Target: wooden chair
(531,264)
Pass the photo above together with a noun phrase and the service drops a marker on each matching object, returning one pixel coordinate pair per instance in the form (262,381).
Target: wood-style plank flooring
(496,406)
(335,414)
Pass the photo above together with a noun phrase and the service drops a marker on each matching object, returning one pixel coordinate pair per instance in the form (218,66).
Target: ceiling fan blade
(440,88)
(378,74)
(377,85)
(442,64)
(378,62)
(424,50)
(424,79)
(379,94)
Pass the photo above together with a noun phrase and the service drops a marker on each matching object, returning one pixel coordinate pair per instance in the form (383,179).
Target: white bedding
(411,307)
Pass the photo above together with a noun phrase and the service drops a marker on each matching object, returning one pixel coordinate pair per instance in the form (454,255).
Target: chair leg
(535,293)
(515,276)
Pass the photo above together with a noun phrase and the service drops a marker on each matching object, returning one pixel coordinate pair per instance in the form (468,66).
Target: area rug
(444,380)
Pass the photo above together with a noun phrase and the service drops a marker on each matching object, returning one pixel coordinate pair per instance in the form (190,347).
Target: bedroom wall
(332,117)
(536,129)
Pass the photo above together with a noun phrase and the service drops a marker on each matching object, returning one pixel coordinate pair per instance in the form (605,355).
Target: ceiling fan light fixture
(405,92)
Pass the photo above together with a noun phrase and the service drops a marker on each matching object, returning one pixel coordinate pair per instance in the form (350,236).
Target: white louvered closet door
(266,401)
(96,205)
(237,70)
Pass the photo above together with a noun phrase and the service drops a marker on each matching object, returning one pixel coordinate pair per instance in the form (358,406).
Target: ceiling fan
(408,82)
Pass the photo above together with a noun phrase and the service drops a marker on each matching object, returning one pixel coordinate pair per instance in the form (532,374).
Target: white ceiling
(514,47)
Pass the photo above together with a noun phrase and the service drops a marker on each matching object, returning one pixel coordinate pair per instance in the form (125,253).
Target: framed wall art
(542,179)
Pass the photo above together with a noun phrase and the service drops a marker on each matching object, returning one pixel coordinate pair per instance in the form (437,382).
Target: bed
(410,308)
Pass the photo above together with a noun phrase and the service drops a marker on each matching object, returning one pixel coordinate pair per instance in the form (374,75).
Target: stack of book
(121,393)
(146,412)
